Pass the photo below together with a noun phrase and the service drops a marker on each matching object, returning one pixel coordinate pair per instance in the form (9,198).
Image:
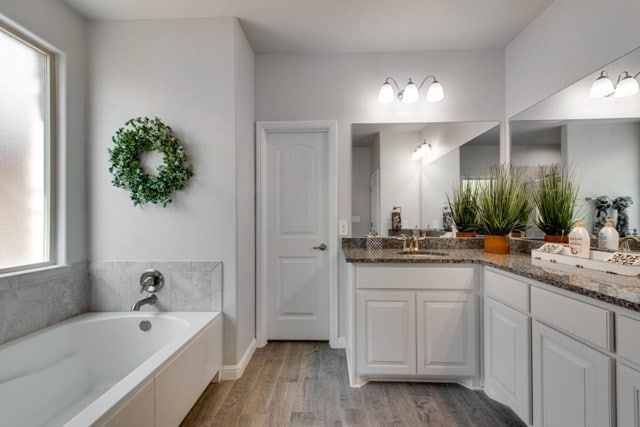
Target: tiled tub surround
(620,290)
(188,286)
(34,300)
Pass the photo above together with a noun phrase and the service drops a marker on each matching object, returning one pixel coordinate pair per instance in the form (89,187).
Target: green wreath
(139,136)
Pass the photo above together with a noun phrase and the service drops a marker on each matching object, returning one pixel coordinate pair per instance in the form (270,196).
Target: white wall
(475,160)
(438,178)
(399,179)
(56,26)
(245,185)
(361,190)
(606,158)
(534,155)
(188,72)
(444,137)
(569,40)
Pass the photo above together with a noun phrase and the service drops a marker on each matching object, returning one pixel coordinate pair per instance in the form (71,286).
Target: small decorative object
(602,205)
(462,209)
(447,218)
(396,218)
(555,198)
(374,244)
(551,248)
(579,241)
(623,258)
(621,204)
(608,237)
(501,203)
(139,136)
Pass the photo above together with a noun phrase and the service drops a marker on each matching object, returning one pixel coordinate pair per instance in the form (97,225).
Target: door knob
(322,247)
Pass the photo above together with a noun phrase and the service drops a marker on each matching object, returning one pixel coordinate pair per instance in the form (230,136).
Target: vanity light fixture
(410,93)
(421,151)
(626,85)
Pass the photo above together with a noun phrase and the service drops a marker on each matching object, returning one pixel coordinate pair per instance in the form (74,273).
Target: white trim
(234,372)
(262,129)
(340,342)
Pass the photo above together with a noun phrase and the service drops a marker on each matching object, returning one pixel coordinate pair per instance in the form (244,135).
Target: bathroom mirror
(599,137)
(384,173)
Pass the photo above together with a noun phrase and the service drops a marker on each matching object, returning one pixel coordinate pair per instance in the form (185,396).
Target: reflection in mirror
(385,175)
(599,137)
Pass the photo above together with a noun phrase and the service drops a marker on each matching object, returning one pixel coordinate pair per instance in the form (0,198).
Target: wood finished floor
(305,383)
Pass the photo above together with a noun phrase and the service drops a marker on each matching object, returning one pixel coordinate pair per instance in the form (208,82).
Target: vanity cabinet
(572,382)
(628,396)
(412,322)
(507,334)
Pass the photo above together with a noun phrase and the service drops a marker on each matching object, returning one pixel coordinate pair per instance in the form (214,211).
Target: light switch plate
(343,228)
(355,218)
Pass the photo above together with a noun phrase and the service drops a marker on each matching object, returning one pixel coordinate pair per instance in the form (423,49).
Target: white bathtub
(102,369)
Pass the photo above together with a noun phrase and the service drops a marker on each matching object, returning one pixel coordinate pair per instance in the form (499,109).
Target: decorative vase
(556,239)
(465,234)
(497,244)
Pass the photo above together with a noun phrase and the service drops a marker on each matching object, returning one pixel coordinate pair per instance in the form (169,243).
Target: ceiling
(322,26)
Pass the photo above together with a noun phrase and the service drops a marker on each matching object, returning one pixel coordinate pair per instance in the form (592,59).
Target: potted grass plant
(463,205)
(502,202)
(555,198)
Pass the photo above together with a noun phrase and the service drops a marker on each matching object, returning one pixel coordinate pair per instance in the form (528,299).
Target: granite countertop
(623,291)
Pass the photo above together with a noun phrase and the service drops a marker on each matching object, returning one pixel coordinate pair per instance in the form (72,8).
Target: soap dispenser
(579,241)
(608,236)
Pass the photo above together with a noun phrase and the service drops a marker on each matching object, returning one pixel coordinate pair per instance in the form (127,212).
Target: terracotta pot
(497,244)
(465,234)
(556,239)
(517,234)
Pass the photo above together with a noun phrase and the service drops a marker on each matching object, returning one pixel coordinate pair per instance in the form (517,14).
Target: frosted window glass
(24,96)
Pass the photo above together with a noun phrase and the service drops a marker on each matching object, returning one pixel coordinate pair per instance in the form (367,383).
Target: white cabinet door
(628,397)
(447,334)
(572,382)
(385,332)
(507,356)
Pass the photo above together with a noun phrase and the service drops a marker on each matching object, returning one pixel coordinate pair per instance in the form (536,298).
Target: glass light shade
(603,86)
(416,154)
(386,94)
(410,93)
(435,92)
(628,86)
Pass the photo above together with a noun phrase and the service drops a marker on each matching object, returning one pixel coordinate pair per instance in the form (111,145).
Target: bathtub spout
(151,299)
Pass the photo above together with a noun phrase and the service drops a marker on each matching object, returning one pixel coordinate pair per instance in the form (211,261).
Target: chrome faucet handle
(151,281)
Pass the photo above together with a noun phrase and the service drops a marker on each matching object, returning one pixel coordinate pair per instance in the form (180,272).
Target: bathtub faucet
(151,299)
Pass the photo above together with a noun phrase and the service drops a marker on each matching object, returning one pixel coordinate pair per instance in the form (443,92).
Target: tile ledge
(47,269)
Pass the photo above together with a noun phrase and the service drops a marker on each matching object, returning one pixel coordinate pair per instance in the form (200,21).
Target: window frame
(50,151)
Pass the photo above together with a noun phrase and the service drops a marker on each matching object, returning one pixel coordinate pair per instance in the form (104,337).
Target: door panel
(297,274)
(628,397)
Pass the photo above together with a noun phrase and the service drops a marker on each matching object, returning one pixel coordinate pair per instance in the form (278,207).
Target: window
(26,96)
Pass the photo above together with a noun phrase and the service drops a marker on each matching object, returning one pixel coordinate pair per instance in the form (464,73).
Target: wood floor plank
(306,383)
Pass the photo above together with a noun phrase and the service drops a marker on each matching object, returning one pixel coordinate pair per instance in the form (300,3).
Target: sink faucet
(624,242)
(151,299)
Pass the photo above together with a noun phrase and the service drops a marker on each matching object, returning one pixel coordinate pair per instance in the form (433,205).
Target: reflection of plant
(503,201)
(462,203)
(555,197)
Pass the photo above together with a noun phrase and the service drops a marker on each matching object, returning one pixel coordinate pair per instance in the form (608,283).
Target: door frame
(263,128)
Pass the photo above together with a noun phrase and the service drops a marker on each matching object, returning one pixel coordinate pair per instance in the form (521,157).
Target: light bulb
(410,93)
(628,86)
(386,94)
(416,154)
(435,92)
(603,86)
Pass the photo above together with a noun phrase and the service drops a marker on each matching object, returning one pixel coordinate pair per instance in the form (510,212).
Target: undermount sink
(423,252)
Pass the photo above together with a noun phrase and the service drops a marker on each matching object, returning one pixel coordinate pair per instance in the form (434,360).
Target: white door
(446,333)
(572,383)
(385,332)
(297,270)
(628,396)
(506,350)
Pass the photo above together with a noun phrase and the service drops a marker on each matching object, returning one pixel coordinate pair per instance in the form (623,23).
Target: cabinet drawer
(582,320)
(507,289)
(628,338)
(385,276)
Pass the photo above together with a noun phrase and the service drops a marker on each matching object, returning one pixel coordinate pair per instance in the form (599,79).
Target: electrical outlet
(343,228)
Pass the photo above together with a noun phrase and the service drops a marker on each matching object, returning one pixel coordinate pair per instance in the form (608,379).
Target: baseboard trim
(234,372)
(340,342)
